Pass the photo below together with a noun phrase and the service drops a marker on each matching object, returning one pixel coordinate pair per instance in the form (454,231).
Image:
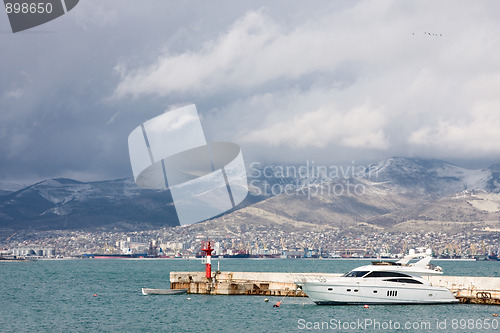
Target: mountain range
(69,204)
(397,193)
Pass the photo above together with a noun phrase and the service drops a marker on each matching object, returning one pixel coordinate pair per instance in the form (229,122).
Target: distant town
(293,211)
(249,241)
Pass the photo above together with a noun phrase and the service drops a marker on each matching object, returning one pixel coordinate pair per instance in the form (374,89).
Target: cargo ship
(237,256)
(116,256)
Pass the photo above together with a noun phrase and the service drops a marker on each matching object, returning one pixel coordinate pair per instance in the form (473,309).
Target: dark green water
(57,296)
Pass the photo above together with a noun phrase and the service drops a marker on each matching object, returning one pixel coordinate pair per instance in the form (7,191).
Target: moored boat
(149,291)
(382,282)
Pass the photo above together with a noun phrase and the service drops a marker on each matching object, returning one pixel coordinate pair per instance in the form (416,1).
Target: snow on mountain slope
(388,192)
(69,204)
(433,177)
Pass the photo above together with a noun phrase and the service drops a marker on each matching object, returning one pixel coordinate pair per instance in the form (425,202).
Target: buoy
(266,300)
(277,305)
(366,306)
(95,295)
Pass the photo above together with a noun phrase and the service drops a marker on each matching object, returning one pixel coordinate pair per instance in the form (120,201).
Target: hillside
(69,204)
(398,194)
(394,194)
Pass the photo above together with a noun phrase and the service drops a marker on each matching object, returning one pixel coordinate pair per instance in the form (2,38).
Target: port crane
(283,248)
(11,236)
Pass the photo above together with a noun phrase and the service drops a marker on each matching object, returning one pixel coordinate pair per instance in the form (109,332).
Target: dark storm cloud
(288,81)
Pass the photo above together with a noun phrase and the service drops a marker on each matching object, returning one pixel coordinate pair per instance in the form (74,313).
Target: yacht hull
(338,293)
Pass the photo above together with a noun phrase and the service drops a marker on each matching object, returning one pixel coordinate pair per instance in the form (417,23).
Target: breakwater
(468,289)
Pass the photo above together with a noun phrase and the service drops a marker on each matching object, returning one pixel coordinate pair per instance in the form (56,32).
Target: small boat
(149,291)
(381,283)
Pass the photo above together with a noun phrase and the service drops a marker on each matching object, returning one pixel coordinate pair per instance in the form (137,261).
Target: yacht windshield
(378,274)
(355,274)
(404,281)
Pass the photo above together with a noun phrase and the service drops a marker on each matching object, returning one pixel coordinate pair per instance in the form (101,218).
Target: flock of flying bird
(431,34)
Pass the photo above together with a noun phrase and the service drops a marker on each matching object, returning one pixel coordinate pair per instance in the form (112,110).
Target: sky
(289,81)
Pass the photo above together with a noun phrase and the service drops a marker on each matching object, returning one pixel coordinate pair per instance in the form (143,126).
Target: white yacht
(382,282)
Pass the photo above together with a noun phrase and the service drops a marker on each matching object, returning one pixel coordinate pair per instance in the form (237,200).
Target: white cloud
(220,63)
(388,76)
(357,128)
(256,49)
(476,137)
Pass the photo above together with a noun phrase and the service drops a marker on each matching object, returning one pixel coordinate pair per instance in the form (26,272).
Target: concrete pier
(238,283)
(478,290)
(471,289)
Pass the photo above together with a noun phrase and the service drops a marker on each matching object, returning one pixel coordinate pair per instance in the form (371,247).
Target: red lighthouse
(207,247)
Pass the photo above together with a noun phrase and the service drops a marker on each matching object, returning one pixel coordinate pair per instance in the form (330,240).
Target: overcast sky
(289,81)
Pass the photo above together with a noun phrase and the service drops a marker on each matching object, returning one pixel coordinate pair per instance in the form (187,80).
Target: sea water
(58,296)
